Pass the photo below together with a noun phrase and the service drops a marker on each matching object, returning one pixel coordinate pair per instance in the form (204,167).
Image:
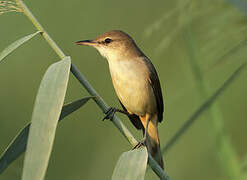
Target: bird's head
(113,45)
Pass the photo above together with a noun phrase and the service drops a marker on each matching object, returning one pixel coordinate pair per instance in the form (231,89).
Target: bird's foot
(143,141)
(110,113)
(140,144)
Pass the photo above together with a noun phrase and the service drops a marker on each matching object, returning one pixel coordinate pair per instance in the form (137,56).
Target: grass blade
(71,107)
(131,165)
(15,45)
(19,143)
(14,149)
(47,108)
(201,109)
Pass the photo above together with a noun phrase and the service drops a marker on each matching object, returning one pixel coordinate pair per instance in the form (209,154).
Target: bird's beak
(86,42)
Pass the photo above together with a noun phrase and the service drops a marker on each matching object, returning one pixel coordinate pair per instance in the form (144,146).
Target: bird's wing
(155,83)
(134,119)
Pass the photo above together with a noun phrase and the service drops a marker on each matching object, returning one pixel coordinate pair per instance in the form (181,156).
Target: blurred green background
(170,33)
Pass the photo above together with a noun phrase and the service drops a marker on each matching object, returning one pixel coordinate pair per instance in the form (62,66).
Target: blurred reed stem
(201,109)
(225,152)
(99,101)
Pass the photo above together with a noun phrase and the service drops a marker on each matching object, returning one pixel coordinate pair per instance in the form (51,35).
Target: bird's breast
(130,80)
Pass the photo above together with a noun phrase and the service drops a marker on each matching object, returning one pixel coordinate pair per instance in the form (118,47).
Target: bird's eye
(108,40)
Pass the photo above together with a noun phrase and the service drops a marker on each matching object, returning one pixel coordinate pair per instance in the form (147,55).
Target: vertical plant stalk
(226,154)
(36,23)
(99,101)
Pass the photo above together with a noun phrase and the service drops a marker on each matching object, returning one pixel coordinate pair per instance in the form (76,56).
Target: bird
(136,84)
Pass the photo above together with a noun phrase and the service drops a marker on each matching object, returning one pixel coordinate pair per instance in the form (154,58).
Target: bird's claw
(140,144)
(109,113)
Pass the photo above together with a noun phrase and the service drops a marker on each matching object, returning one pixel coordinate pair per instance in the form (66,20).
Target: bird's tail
(153,142)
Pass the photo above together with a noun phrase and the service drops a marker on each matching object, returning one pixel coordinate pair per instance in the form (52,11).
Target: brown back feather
(155,83)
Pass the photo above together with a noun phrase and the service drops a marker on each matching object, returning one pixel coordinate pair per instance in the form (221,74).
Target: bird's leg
(146,129)
(111,111)
(143,141)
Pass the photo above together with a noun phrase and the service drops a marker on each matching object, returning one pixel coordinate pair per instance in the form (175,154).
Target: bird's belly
(133,90)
